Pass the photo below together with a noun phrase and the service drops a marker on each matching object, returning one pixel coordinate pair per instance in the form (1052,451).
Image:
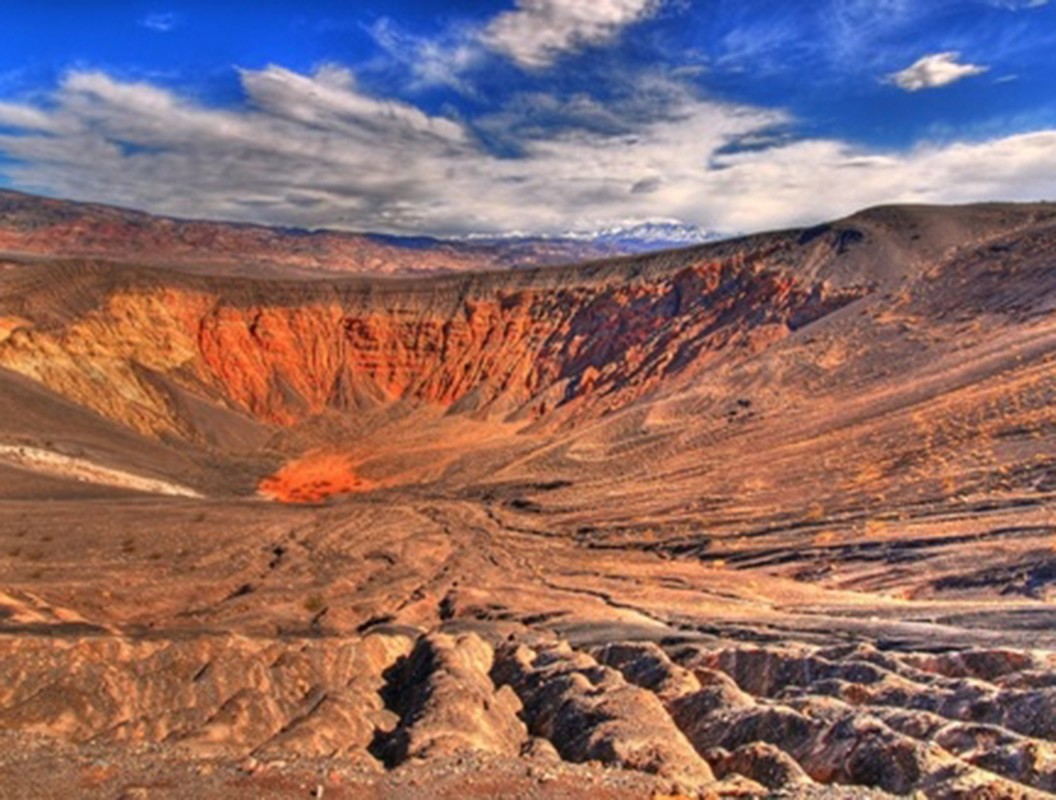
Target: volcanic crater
(770,516)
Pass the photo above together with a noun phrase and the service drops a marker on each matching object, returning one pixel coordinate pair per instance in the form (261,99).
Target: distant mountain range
(653,235)
(33,226)
(632,237)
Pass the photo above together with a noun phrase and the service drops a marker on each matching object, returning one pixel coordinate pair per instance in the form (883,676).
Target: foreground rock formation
(765,518)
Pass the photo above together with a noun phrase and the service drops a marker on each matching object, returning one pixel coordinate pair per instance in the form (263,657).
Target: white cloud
(430,62)
(1017,5)
(22,117)
(161,22)
(533,35)
(537,32)
(935,71)
(316,150)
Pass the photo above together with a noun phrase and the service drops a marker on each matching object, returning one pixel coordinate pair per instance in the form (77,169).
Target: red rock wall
(572,349)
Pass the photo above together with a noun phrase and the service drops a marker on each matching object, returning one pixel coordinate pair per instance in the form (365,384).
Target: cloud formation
(935,71)
(443,60)
(317,150)
(537,32)
(161,22)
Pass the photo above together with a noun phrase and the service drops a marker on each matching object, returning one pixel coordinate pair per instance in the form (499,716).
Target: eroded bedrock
(695,718)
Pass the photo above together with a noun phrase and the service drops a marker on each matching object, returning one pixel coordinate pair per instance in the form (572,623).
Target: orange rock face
(542,350)
(313,478)
(279,364)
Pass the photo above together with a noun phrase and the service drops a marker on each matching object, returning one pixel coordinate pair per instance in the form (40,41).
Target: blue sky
(537,116)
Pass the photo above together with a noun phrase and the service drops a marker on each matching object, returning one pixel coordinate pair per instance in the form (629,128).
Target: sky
(528,116)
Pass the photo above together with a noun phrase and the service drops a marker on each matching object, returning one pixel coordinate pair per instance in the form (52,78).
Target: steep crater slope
(185,358)
(225,363)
